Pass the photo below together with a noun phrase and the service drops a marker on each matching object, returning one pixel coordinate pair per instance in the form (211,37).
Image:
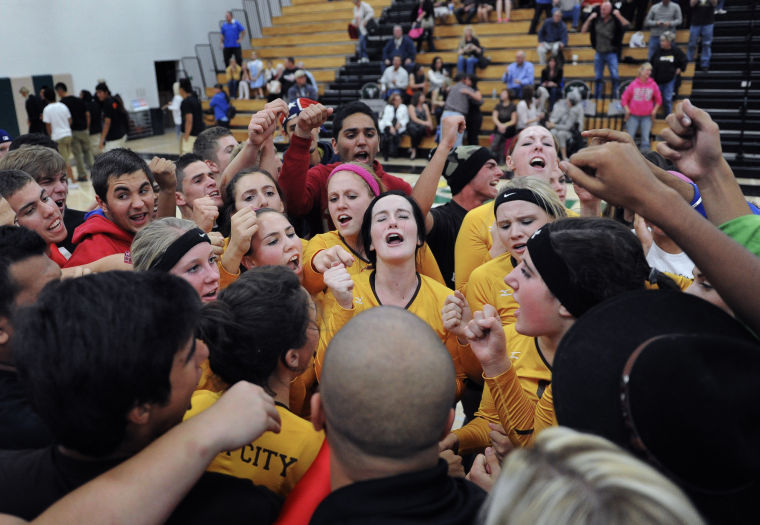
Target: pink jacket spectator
(641,97)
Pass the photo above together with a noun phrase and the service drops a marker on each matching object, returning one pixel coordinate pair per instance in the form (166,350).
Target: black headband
(521,194)
(178,249)
(556,274)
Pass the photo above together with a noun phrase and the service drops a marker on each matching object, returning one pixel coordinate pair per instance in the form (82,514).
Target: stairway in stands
(501,42)
(730,90)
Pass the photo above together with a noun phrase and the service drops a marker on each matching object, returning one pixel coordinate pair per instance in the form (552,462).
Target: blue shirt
(231,32)
(552,31)
(220,105)
(522,73)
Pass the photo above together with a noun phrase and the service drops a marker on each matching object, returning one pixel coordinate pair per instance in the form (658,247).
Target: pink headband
(364,174)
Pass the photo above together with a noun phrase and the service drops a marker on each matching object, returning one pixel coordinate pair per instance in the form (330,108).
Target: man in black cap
(473,176)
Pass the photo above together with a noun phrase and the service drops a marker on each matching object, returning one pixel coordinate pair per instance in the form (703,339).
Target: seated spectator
(272,78)
(309,76)
(234,73)
(566,116)
(244,87)
(469,52)
(668,63)
(528,112)
(104,408)
(392,125)
(424,17)
(363,13)
(484,9)
(552,77)
(288,76)
(466,12)
(518,74)
(301,89)
(417,82)
(575,470)
(504,118)
(401,45)
(420,122)
(220,104)
(552,37)
(641,100)
(395,78)
(439,80)
(571,10)
(257,75)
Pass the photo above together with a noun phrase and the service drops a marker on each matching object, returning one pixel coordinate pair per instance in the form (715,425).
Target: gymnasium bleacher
(315,32)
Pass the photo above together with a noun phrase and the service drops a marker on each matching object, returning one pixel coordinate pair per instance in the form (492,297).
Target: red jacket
(96,238)
(304,186)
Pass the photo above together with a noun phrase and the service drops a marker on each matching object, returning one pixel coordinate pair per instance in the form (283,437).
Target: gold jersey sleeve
(473,243)
(487,286)
(511,397)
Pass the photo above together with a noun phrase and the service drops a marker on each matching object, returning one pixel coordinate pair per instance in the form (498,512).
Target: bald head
(387,387)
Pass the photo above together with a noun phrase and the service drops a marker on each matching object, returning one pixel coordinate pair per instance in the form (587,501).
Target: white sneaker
(721,12)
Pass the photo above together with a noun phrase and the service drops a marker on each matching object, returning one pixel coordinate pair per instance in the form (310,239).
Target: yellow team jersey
(313,282)
(226,278)
(426,304)
(276,461)
(474,242)
(487,286)
(511,397)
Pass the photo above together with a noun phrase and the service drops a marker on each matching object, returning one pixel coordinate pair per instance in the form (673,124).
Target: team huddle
(291,350)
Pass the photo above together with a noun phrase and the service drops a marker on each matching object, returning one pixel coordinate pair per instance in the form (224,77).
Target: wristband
(696,201)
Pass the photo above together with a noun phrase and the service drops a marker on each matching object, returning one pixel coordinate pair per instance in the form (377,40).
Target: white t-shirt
(57,115)
(677,263)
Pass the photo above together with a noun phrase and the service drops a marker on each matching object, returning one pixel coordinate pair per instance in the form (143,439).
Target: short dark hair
(12,181)
(113,338)
(253,323)
(86,95)
(16,244)
(102,86)
(115,163)
(61,86)
(364,233)
(205,142)
(184,83)
(346,110)
(33,139)
(49,94)
(183,162)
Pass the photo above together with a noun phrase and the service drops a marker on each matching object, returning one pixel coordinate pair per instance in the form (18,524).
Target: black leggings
(537,14)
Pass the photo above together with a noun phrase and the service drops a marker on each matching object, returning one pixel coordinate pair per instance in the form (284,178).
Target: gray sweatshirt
(660,12)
